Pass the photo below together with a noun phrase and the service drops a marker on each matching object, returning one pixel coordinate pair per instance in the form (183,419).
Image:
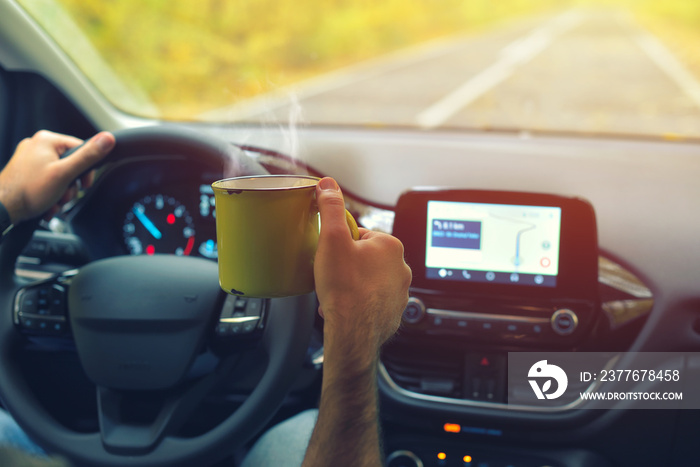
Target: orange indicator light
(442,456)
(452,428)
(467,459)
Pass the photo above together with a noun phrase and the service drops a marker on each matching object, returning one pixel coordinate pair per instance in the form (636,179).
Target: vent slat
(439,375)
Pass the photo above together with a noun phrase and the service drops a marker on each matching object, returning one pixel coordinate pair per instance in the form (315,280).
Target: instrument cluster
(162,206)
(161,223)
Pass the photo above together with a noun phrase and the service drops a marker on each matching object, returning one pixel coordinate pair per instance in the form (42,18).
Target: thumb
(331,205)
(86,156)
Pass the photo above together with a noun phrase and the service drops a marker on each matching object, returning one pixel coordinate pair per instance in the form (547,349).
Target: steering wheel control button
(57,301)
(564,322)
(249,326)
(414,311)
(41,309)
(240,316)
(57,327)
(27,323)
(29,302)
(254,307)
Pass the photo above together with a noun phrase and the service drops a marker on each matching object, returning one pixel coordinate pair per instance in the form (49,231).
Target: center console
(493,272)
(499,267)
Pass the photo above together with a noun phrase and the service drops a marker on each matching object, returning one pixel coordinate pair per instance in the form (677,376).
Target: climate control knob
(564,322)
(414,311)
(403,459)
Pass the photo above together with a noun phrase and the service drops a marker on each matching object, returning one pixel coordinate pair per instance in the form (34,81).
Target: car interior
(101,361)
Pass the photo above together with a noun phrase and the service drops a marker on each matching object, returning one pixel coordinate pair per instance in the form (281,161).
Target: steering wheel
(139,323)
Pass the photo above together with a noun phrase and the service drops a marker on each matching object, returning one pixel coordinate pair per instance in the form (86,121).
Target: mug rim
(218,185)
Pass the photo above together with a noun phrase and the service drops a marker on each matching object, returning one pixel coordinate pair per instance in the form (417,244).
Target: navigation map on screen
(498,243)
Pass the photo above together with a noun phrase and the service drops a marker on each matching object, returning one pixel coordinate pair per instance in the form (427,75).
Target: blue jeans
(284,445)
(11,435)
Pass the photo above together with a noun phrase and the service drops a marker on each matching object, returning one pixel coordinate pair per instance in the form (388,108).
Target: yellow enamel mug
(267,231)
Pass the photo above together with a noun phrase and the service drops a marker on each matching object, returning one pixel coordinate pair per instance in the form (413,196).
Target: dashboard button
(537,330)
(460,323)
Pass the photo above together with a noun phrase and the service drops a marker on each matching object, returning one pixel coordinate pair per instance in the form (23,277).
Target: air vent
(434,374)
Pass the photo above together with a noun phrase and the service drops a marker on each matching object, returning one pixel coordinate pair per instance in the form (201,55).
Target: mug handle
(352,225)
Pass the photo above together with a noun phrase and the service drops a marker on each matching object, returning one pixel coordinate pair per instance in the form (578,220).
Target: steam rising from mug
(280,134)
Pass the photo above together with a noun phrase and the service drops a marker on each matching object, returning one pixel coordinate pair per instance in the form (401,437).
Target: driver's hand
(362,286)
(36,181)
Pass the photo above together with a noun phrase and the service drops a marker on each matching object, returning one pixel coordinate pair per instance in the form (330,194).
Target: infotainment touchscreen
(496,243)
(500,244)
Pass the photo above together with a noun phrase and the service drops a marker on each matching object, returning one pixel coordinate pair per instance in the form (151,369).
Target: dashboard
(449,358)
(493,270)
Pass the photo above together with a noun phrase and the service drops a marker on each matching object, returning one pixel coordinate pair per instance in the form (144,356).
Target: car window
(619,67)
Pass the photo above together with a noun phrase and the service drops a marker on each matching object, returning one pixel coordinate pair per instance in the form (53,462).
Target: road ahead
(592,71)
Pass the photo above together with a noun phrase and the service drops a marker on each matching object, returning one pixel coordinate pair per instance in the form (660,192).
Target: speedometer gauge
(158,224)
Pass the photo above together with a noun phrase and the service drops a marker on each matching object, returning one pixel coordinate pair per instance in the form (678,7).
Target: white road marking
(512,56)
(670,65)
(291,94)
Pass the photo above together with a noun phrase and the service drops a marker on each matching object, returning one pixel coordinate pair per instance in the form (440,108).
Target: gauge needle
(147,223)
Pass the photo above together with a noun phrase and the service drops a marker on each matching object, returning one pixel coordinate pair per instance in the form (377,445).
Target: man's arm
(362,289)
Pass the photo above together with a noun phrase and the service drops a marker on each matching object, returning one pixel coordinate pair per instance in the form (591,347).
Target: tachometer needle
(147,223)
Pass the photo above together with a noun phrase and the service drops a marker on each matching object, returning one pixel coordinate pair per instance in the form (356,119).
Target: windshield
(625,68)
